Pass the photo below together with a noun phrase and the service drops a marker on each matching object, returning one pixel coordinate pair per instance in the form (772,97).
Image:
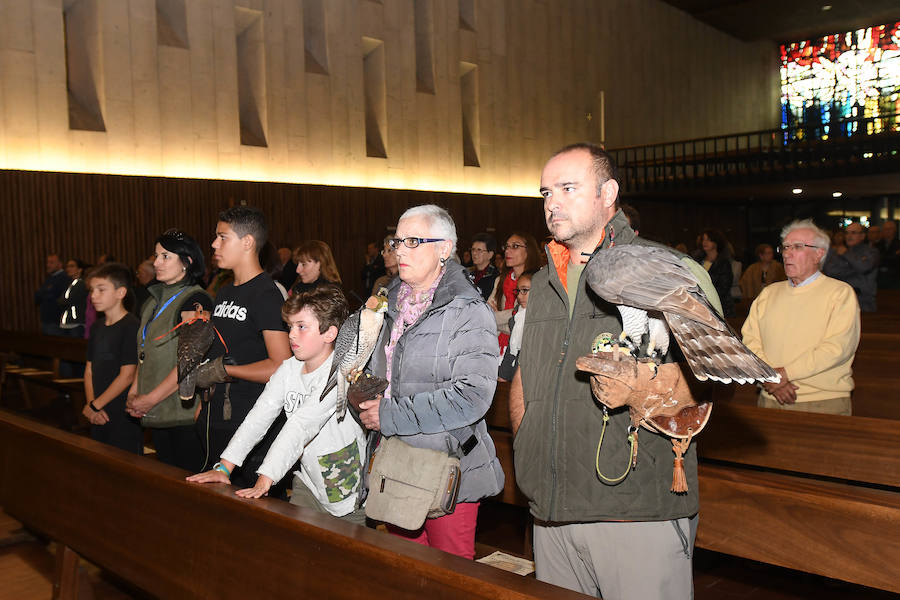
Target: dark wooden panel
(84,215)
(840,531)
(141,520)
(854,448)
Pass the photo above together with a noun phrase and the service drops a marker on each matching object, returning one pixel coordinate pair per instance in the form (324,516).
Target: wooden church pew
(140,520)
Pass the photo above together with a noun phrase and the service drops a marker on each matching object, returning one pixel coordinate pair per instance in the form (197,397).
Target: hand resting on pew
(218,475)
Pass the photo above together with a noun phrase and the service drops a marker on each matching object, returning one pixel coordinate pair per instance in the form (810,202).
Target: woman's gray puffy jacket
(443,379)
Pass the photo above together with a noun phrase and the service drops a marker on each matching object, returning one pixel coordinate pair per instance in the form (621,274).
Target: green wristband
(222,468)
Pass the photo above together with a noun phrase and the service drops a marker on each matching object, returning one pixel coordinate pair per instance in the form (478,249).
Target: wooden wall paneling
(82,215)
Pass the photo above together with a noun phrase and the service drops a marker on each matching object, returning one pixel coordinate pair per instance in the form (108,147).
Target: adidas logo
(228,310)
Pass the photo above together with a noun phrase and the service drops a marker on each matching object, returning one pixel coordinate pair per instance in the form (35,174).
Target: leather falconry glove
(212,372)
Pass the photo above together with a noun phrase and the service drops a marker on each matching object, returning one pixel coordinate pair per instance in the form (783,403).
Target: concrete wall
(179,84)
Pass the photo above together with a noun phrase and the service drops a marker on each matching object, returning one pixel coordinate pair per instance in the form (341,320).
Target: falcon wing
(655,279)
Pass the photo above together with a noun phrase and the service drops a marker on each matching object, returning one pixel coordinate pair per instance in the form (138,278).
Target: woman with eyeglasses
(390,266)
(522,254)
(153,396)
(438,351)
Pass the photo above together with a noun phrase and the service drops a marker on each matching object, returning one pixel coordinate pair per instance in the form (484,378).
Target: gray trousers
(633,560)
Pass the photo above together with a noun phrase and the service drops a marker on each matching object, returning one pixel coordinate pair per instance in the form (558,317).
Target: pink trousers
(453,533)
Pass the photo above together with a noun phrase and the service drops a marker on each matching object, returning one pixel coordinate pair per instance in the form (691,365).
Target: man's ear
(609,191)
(248,243)
(331,334)
(121,292)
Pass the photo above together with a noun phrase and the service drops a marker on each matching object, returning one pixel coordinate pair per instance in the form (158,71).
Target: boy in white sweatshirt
(330,452)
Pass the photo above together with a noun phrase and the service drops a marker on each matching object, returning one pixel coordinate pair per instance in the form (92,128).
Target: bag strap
(466,438)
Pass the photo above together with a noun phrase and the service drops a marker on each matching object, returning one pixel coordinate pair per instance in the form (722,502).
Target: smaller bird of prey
(652,288)
(194,340)
(353,347)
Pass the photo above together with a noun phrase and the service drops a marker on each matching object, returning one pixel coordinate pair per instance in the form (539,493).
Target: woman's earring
(184,269)
(443,261)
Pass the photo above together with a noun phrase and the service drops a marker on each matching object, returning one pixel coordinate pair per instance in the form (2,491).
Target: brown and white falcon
(652,288)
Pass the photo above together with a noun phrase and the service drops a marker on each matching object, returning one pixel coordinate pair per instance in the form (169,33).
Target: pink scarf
(410,307)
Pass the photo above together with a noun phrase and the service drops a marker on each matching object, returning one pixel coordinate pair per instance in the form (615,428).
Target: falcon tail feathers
(718,355)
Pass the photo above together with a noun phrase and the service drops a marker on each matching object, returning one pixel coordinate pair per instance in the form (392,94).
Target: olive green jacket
(160,355)
(556,444)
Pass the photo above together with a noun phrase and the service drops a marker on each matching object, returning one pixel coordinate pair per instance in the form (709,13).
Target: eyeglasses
(478,251)
(512,246)
(794,247)
(412,242)
(174,233)
(522,291)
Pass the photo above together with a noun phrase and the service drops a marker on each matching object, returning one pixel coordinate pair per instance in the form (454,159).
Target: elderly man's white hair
(440,223)
(822,239)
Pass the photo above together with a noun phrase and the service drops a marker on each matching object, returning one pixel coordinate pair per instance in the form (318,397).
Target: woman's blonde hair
(319,251)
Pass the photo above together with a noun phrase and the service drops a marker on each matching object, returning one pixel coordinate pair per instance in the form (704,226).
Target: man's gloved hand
(648,389)
(212,372)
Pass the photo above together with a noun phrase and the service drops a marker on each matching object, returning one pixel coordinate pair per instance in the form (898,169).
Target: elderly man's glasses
(512,246)
(794,247)
(412,242)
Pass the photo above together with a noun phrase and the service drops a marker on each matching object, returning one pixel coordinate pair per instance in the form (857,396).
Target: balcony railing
(851,147)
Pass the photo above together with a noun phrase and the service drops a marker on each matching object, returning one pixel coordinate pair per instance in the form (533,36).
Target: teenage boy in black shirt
(247,314)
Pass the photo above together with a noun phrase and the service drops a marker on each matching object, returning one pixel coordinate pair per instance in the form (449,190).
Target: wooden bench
(140,520)
(818,493)
(43,354)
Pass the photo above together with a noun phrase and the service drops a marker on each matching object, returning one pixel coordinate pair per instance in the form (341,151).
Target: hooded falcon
(655,292)
(353,347)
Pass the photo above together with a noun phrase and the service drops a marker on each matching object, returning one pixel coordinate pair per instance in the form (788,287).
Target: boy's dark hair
(247,220)
(487,239)
(188,251)
(118,274)
(327,302)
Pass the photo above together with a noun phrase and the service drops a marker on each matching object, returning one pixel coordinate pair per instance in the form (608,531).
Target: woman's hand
(263,484)
(369,413)
(139,405)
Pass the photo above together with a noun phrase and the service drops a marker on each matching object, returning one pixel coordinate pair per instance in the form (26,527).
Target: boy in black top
(247,314)
(111,361)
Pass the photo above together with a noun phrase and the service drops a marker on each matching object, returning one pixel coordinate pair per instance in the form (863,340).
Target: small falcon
(353,347)
(194,340)
(652,288)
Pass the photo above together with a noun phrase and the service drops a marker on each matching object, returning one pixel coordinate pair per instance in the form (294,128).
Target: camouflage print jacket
(330,452)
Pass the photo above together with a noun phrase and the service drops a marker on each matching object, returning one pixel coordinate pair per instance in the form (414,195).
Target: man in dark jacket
(46,298)
(856,264)
(633,538)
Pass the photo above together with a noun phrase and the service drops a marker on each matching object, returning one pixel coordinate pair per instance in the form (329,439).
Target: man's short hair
(604,165)
(327,302)
(487,239)
(822,239)
(247,220)
(118,274)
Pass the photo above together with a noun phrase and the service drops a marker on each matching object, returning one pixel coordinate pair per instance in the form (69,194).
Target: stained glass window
(843,84)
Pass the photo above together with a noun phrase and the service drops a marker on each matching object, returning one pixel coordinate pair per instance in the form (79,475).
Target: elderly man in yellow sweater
(806,327)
